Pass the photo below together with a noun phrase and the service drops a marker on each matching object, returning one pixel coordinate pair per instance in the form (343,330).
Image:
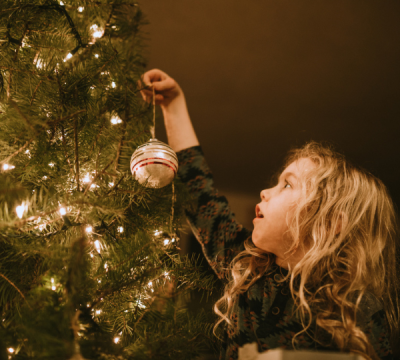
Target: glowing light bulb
(61,3)
(113,85)
(21,209)
(166,242)
(44,177)
(69,56)
(150,283)
(97,245)
(111,184)
(80,8)
(116,340)
(86,179)
(96,56)
(89,229)
(105,266)
(97,32)
(53,288)
(91,255)
(62,211)
(51,164)
(156,233)
(120,229)
(10,350)
(116,120)
(173,240)
(98,312)
(8,167)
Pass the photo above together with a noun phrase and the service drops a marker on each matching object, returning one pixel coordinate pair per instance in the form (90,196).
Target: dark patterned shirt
(264,314)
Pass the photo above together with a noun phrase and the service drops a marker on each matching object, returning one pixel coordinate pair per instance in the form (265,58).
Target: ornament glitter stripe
(174,167)
(154,162)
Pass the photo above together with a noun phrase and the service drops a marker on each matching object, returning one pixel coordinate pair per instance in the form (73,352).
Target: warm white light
(86,179)
(8,167)
(21,209)
(93,186)
(80,8)
(156,233)
(116,120)
(120,229)
(53,288)
(116,340)
(173,240)
(105,266)
(39,64)
(97,245)
(10,350)
(96,56)
(61,3)
(150,283)
(113,85)
(166,242)
(62,211)
(91,255)
(88,305)
(44,177)
(98,312)
(69,56)
(111,184)
(52,280)
(89,229)
(51,164)
(98,33)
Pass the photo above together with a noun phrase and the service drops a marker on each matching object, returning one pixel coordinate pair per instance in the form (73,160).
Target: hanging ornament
(154,161)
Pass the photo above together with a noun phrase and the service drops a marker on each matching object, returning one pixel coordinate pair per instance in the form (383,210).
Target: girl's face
(270,225)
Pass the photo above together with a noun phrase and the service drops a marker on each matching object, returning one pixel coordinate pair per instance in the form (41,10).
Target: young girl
(318,271)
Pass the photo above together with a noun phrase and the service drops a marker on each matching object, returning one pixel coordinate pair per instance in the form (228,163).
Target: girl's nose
(264,195)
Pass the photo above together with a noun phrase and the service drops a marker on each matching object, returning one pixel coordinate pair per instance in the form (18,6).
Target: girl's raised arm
(170,97)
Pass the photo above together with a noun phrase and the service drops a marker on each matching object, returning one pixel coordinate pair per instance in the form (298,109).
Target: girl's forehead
(300,167)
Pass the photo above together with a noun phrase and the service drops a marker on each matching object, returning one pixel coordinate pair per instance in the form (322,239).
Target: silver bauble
(156,162)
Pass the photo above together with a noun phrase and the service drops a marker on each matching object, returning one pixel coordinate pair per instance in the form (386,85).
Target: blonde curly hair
(350,225)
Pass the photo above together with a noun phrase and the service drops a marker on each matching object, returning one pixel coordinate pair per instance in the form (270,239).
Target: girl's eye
(287,185)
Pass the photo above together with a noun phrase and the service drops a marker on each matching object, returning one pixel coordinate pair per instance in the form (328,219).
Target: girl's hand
(166,88)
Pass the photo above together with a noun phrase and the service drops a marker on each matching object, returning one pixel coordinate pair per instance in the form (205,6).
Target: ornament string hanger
(153,128)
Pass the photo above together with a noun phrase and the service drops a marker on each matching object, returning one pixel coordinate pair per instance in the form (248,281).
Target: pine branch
(27,72)
(65,152)
(15,287)
(17,152)
(15,106)
(76,154)
(57,121)
(34,93)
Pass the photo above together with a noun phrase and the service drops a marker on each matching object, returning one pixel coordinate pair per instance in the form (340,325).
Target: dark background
(261,76)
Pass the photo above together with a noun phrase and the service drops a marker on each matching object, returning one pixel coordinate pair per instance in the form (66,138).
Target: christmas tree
(89,259)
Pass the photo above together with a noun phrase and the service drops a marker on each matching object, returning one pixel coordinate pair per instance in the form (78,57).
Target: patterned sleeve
(211,220)
(377,330)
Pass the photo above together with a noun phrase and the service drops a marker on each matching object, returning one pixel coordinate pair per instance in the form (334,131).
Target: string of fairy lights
(41,222)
